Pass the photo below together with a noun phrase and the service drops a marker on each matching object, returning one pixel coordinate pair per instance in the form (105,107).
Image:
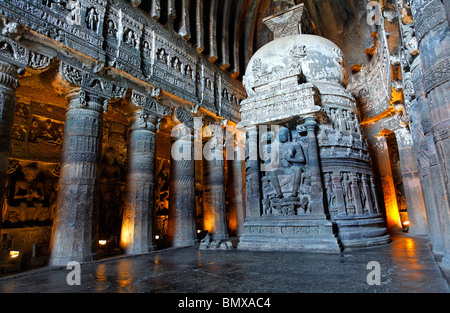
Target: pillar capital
(72,81)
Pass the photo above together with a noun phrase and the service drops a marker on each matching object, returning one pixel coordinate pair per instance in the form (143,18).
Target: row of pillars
(75,227)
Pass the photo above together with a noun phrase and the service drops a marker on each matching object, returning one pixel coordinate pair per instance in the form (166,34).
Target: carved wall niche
(174,66)
(288,200)
(31,194)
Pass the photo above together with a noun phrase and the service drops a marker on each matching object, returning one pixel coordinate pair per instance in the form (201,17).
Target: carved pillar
(316,204)
(237,179)
(74,235)
(432,32)
(8,85)
(214,208)
(253,193)
(137,222)
(387,182)
(430,175)
(182,219)
(411,182)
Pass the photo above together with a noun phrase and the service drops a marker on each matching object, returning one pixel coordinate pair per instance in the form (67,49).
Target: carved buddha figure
(291,161)
(30,192)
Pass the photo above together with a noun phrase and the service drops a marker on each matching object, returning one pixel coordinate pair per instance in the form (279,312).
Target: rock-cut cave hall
(130,127)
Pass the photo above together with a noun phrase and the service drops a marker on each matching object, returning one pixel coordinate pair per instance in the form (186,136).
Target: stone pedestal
(137,236)
(312,234)
(74,235)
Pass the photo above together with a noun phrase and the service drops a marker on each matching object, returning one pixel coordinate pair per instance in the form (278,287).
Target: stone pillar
(237,183)
(8,85)
(182,219)
(432,32)
(253,193)
(426,158)
(411,182)
(137,222)
(74,236)
(387,182)
(214,208)
(316,205)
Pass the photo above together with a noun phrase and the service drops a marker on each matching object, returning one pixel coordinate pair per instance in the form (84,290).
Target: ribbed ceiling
(228,32)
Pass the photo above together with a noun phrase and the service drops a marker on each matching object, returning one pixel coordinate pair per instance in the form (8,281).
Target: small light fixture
(198,231)
(13,254)
(102,242)
(157,237)
(405,227)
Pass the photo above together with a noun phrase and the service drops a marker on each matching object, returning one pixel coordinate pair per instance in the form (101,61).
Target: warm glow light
(157,237)
(405,223)
(14,254)
(198,231)
(102,242)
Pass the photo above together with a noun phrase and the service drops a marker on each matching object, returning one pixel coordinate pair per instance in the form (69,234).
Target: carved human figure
(111,28)
(110,169)
(30,192)
(291,161)
(131,38)
(92,19)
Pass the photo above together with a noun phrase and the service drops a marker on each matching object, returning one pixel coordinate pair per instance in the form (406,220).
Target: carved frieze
(303,100)
(150,105)
(119,38)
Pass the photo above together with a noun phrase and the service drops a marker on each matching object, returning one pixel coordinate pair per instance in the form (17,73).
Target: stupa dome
(308,58)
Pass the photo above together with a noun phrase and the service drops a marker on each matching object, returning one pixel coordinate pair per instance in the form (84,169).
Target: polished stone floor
(406,265)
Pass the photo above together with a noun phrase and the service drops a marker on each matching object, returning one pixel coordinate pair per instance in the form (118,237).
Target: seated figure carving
(291,161)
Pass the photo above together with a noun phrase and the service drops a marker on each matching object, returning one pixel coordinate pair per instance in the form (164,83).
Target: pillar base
(362,231)
(305,234)
(209,243)
(184,243)
(64,260)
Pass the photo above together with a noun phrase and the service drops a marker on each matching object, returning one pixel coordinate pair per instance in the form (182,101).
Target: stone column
(8,85)
(426,158)
(74,236)
(253,193)
(214,208)
(236,175)
(411,182)
(387,182)
(316,205)
(432,32)
(137,222)
(182,219)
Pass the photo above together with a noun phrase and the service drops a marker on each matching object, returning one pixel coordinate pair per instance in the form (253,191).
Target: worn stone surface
(406,266)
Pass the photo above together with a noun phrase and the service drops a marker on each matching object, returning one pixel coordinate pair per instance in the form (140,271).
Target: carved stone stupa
(309,181)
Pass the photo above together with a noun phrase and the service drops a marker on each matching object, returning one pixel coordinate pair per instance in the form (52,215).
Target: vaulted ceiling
(228,32)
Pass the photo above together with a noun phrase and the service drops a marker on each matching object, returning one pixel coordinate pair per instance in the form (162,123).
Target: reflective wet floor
(405,265)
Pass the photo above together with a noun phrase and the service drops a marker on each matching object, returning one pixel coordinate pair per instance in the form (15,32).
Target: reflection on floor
(405,265)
